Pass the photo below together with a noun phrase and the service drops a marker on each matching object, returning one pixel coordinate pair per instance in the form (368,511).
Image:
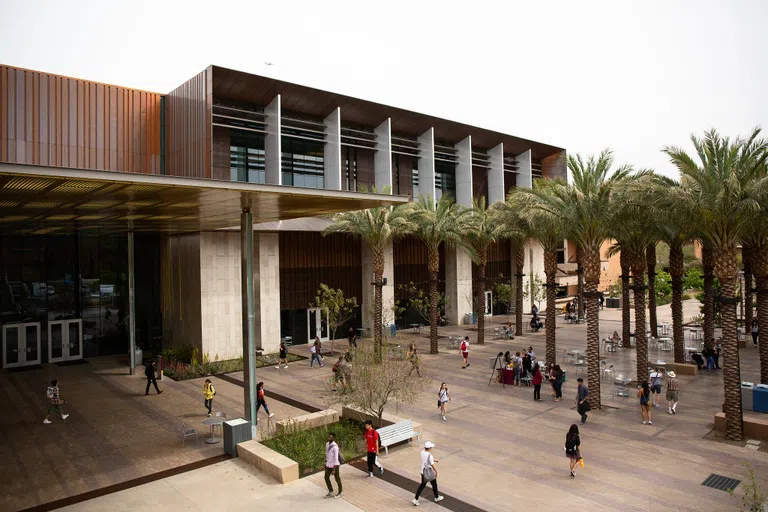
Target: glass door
(317,325)
(21,344)
(65,340)
(488,303)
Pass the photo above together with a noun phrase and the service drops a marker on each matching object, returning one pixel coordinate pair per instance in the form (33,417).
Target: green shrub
(307,447)
(177,369)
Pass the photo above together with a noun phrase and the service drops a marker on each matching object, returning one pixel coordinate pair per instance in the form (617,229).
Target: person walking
(261,401)
(673,388)
(656,386)
(573,448)
(208,393)
(644,393)
(428,473)
(755,332)
(351,337)
(443,397)
(332,466)
(582,399)
(551,378)
(558,383)
(709,354)
(54,402)
(150,371)
(316,350)
(464,351)
(536,380)
(413,358)
(518,367)
(282,357)
(338,373)
(372,443)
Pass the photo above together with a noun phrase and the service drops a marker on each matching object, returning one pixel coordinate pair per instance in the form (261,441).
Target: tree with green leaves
(377,228)
(338,308)
(719,190)
(436,223)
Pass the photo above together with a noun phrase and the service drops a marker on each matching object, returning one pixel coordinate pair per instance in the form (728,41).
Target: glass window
(302,163)
(445,179)
(247,158)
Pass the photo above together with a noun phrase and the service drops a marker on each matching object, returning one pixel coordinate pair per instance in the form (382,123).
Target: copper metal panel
(189,128)
(63,200)
(47,119)
(554,166)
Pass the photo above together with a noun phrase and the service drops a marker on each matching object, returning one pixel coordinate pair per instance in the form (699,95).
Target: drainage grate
(720,482)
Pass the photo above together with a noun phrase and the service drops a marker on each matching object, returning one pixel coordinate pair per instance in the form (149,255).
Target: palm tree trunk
(759,265)
(727,271)
(650,259)
(676,271)
(378,272)
(580,273)
(707,263)
(746,258)
(433,265)
(641,342)
(626,342)
(519,264)
(483,253)
(591,259)
(550,269)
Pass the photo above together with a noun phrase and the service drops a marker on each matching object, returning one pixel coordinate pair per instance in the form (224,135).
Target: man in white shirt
(427,461)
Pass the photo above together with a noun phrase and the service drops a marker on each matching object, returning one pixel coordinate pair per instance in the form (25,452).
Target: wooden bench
(398,432)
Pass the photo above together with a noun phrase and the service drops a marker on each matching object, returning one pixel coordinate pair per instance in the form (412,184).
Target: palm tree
(708,274)
(483,230)
(377,228)
(746,260)
(436,223)
(650,260)
(626,329)
(549,230)
(720,189)
(585,206)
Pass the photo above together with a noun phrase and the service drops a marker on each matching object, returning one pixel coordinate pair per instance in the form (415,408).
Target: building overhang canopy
(48,200)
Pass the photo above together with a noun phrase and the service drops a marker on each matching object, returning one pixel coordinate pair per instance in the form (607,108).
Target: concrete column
(131,303)
(387,291)
(266,277)
(496,190)
(464,172)
(248,306)
(427,163)
(458,284)
(524,170)
(273,142)
(332,150)
(534,266)
(382,161)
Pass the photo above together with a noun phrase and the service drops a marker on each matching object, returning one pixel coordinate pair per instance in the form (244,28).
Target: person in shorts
(54,402)
(464,351)
(656,386)
(573,448)
(283,357)
(673,388)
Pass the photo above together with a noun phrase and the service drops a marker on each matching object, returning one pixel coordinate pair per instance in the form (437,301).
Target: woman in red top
(260,401)
(537,378)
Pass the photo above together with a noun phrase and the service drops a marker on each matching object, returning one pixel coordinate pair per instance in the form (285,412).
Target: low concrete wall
(753,428)
(387,419)
(308,421)
(276,465)
(683,368)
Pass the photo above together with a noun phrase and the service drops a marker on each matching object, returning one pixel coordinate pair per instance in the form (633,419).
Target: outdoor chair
(187,432)
(606,371)
(526,378)
(619,387)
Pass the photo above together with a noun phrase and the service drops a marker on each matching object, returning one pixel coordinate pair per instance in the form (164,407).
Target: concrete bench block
(386,420)
(268,461)
(308,421)
(754,428)
(683,368)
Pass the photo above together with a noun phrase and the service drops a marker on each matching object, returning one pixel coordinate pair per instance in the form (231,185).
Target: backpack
(341,458)
(336,367)
(570,445)
(49,393)
(464,346)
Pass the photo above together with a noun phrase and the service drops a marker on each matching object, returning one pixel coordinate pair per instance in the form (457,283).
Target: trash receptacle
(236,431)
(138,357)
(564,372)
(746,395)
(392,330)
(760,398)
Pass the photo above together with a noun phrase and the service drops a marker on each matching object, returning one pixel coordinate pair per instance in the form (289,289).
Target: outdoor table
(664,342)
(623,380)
(508,375)
(213,421)
(657,363)
(416,327)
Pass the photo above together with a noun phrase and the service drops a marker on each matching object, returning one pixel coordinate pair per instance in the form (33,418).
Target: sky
(584,75)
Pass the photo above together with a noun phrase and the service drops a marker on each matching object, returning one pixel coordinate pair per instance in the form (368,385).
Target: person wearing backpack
(316,351)
(573,448)
(333,462)
(372,443)
(208,393)
(464,351)
(54,402)
(428,473)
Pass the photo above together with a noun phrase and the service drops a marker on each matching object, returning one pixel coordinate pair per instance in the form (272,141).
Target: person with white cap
(673,388)
(428,473)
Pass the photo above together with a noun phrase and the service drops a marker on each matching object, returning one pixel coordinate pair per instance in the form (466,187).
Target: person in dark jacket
(582,400)
(149,371)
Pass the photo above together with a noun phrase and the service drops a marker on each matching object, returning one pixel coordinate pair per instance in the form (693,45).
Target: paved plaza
(498,448)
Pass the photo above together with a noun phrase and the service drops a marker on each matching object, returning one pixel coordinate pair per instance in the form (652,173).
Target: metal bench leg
(386,451)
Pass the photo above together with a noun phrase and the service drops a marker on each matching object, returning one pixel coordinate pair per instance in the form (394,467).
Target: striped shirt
(673,385)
